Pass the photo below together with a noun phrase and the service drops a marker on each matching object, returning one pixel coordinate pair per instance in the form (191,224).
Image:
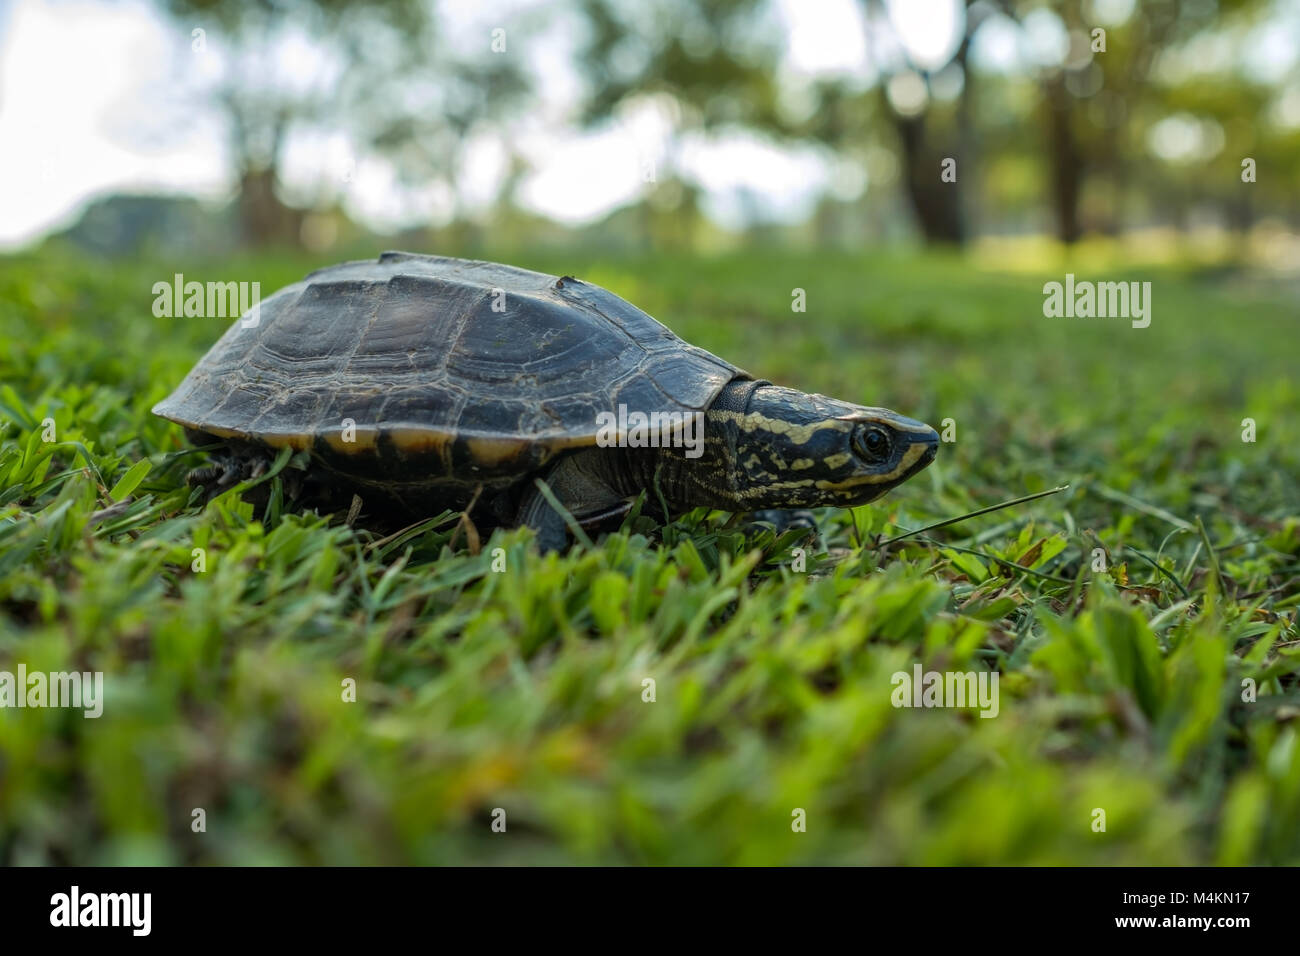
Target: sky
(98,97)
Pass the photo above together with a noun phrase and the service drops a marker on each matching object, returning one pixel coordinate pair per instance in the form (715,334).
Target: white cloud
(75,77)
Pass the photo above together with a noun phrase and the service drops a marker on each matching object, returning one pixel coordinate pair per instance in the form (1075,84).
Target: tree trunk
(263,218)
(1066,164)
(937,204)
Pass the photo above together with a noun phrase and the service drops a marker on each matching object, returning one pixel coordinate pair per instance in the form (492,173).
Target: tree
(376,71)
(715,59)
(1082,143)
(711,60)
(928,133)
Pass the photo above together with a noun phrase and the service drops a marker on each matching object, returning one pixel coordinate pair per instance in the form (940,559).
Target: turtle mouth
(918,453)
(929,450)
(930,453)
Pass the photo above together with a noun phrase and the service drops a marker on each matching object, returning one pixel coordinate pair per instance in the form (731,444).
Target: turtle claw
(226,472)
(203,475)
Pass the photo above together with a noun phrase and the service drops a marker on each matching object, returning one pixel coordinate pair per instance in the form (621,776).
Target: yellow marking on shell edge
(420,441)
(219,432)
(365,438)
(490,452)
(296,442)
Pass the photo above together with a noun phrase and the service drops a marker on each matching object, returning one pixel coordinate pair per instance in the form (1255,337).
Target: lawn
(1143,623)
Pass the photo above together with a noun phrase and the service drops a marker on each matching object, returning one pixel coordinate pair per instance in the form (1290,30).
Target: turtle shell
(444,368)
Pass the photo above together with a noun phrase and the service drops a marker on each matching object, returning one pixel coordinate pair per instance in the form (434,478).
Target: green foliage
(526,688)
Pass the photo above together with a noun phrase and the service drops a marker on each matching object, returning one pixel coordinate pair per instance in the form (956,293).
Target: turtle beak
(931,442)
(918,433)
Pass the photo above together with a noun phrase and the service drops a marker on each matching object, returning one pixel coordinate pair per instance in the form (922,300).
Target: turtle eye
(872,443)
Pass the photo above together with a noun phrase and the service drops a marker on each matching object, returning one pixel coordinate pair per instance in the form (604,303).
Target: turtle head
(796,450)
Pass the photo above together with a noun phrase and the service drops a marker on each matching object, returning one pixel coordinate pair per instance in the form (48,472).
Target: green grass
(523,689)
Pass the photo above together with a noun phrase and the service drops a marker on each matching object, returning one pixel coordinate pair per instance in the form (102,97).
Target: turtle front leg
(783,519)
(226,470)
(579,486)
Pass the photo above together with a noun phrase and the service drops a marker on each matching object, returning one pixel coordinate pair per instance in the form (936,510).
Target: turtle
(421,383)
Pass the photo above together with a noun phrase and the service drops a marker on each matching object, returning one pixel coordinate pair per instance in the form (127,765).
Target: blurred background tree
(705,63)
(378,71)
(660,124)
